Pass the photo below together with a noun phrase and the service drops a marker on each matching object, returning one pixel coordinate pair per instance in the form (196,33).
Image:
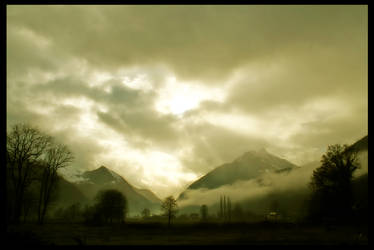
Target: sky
(164,94)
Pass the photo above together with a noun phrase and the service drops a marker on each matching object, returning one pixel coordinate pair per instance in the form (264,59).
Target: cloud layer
(163,94)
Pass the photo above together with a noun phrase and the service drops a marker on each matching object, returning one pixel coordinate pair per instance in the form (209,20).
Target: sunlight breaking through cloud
(174,91)
(178,97)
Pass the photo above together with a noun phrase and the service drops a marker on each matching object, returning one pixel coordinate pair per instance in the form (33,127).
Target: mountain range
(252,165)
(91,182)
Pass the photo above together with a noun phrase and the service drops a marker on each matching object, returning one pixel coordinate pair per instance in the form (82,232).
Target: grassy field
(187,234)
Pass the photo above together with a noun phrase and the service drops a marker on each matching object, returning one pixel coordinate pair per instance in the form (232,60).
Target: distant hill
(104,178)
(248,166)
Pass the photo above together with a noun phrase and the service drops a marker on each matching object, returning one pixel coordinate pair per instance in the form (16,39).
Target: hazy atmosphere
(164,94)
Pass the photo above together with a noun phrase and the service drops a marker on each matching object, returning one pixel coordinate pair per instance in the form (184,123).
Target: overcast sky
(163,94)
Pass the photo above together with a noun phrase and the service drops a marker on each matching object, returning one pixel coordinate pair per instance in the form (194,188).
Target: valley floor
(187,234)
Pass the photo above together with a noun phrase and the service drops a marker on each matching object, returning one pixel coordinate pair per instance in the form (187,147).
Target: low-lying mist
(250,189)
(288,190)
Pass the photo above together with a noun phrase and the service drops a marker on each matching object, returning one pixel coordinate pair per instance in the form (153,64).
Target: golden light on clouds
(178,97)
(163,94)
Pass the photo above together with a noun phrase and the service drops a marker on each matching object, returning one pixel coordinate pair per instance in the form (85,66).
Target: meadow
(140,233)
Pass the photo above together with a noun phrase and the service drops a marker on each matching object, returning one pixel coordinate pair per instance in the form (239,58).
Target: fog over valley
(186,124)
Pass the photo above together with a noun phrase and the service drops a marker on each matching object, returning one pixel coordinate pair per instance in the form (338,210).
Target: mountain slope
(68,193)
(149,195)
(360,148)
(103,178)
(360,145)
(249,166)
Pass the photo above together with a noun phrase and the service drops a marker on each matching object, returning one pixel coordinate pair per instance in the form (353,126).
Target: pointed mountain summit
(103,178)
(102,175)
(99,175)
(250,165)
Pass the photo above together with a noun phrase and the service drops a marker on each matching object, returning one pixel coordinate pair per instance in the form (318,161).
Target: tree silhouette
(170,208)
(331,183)
(24,149)
(30,203)
(111,206)
(56,157)
(225,208)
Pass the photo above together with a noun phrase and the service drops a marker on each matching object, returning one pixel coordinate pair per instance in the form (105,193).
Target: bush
(110,206)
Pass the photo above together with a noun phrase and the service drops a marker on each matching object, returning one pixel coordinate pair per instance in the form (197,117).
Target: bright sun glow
(177,97)
(160,170)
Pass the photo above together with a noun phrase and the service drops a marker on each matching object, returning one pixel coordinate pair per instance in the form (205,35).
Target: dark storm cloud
(194,40)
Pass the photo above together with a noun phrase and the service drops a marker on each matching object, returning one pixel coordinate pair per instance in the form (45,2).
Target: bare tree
(57,157)
(170,207)
(25,147)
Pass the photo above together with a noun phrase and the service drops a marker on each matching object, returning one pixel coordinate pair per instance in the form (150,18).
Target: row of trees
(225,208)
(238,214)
(33,159)
(109,206)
